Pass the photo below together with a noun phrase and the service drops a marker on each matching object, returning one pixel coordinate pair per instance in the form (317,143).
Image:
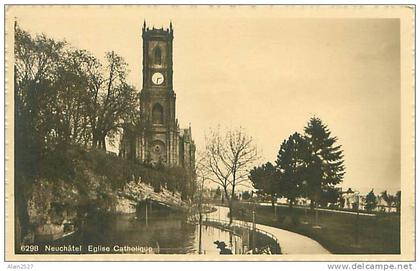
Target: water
(167,235)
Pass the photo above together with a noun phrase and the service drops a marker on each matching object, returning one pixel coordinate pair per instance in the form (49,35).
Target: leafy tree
(389,199)
(36,63)
(291,165)
(113,100)
(370,201)
(325,166)
(65,96)
(55,106)
(264,178)
(69,113)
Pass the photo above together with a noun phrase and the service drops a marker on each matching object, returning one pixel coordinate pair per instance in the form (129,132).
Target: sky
(264,70)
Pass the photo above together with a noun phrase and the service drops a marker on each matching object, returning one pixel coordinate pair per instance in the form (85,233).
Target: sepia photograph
(209,133)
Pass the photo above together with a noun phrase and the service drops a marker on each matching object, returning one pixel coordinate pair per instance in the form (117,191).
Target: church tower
(157,97)
(158,138)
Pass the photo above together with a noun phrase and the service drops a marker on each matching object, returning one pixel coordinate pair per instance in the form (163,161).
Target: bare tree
(202,177)
(228,158)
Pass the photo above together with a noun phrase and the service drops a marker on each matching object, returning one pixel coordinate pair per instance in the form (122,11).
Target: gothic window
(158,56)
(157,114)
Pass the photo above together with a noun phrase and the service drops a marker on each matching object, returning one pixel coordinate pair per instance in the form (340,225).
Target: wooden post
(357,222)
(275,211)
(253,232)
(147,223)
(150,207)
(199,238)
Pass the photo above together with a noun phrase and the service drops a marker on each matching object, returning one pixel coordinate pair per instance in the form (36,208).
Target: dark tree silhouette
(398,201)
(113,99)
(329,195)
(65,96)
(264,178)
(325,166)
(371,201)
(291,165)
(37,61)
(389,199)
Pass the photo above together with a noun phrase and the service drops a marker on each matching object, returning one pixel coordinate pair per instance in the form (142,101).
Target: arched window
(157,114)
(158,56)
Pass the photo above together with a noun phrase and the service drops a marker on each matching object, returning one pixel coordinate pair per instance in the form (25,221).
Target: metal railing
(244,224)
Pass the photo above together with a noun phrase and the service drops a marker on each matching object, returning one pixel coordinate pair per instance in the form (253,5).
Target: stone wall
(138,191)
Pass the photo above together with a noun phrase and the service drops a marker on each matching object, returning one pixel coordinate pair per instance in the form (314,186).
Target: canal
(164,234)
(171,234)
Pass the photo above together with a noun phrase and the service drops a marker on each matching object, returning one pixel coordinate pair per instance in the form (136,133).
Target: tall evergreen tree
(291,164)
(325,167)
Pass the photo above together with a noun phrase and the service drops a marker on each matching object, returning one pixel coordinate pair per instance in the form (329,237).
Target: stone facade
(158,137)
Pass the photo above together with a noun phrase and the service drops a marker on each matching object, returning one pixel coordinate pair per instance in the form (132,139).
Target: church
(157,137)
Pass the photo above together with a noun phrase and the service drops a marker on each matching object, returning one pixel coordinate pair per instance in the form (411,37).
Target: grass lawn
(377,235)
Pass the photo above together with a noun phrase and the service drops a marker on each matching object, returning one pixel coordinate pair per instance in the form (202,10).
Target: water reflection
(168,235)
(210,235)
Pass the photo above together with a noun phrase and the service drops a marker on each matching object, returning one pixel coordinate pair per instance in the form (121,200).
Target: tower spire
(144,26)
(171,30)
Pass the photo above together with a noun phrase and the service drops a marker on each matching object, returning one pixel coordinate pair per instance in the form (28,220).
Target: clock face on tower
(158,78)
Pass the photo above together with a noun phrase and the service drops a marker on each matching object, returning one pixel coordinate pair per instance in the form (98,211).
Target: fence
(226,225)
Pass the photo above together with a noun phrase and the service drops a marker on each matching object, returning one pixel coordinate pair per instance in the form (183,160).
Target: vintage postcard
(209,133)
